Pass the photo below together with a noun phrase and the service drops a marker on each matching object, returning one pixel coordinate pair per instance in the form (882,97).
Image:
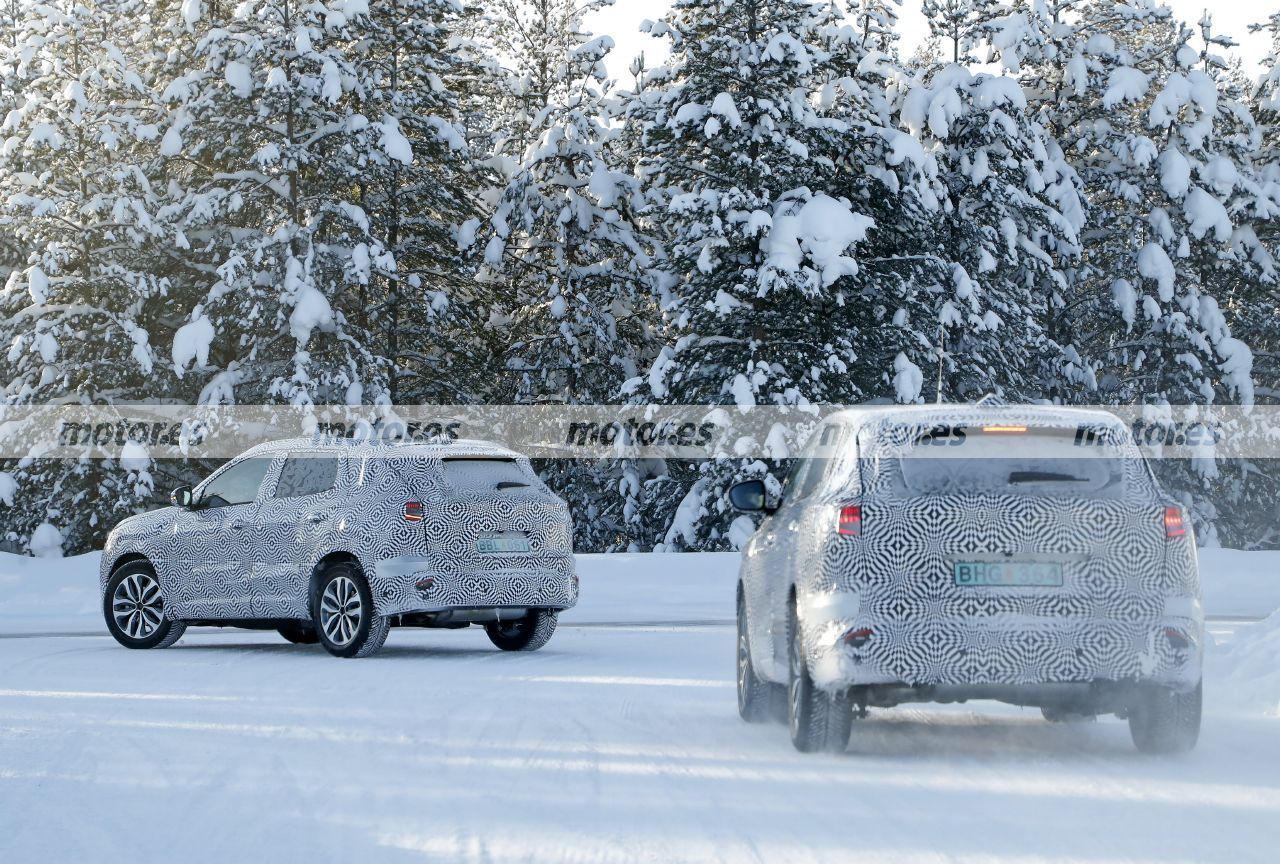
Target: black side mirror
(751,496)
(181,497)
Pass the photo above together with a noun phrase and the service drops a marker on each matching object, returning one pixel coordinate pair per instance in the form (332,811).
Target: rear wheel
(758,700)
(1164,720)
(134,608)
(299,634)
(818,720)
(349,625)
(523,634)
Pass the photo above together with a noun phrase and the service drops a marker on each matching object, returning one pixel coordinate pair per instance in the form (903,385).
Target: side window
(819,458)
(809,482)
(237,484)
(306,475)
(795,476)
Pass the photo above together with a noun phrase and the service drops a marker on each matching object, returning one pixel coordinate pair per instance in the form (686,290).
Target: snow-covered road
(612,744)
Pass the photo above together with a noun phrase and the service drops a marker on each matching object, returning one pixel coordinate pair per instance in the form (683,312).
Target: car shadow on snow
(390,651)
(921,734)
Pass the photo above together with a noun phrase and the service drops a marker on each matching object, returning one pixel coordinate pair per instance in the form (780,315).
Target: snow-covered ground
(615,743)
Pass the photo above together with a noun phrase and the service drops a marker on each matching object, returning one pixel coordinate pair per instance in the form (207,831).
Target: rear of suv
(337,542)
(950,553)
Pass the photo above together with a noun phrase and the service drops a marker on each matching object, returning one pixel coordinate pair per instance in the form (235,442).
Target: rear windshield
(485,475)
(1010,460)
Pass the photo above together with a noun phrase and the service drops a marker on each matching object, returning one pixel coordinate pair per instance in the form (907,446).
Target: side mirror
(751,496)
(181,497)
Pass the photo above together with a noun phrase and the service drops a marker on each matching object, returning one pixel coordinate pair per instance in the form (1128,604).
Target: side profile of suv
(948,553)
(336,542)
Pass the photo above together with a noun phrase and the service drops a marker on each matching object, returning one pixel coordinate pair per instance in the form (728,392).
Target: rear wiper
(1044,477)
(512,484)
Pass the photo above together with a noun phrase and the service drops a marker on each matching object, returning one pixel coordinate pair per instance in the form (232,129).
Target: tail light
(413,511)
(858,637)
(1173,523)
(850,524)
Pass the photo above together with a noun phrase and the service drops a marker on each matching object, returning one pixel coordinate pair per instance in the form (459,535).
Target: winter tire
(299,634)
(1164,720)
(759,701)
(347,623)
(819,721)
(133,606)
(523,634)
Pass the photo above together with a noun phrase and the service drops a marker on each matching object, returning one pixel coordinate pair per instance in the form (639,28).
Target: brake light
(413,511)
(1005,430)
(1173,524)
(850,524)
(858,637)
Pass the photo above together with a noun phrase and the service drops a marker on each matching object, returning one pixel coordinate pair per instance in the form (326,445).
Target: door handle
(238,526)
(316,518)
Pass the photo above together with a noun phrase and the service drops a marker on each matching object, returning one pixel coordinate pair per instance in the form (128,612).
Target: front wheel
(1164,720)
(349,625)
(134,608)
(818,720)
(523,634)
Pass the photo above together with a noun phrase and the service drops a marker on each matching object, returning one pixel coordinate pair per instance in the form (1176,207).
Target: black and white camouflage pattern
(256,560)
(1124,581)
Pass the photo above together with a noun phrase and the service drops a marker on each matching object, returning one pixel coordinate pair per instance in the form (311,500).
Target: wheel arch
(338,556)
(122,560)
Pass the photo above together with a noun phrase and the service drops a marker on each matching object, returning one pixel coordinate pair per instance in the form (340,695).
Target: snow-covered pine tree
(1008,224)
(564,259)
(1146,135)
(565,255)
(10,19)
(737,155)
(886,173)
(80,317)
(1161,152)
(269,146)
(1263,328)
(1255,504)
(960,26)
(421,305)
(534,40)
(877,24)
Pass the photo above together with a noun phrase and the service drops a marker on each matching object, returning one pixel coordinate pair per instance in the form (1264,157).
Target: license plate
(1032,574)
(502,543)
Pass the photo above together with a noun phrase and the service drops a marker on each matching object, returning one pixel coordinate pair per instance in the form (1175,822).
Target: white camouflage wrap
(1124,583)
(257,560)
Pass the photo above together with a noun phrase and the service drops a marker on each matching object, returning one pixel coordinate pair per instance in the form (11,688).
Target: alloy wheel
(341,610)
(137,605)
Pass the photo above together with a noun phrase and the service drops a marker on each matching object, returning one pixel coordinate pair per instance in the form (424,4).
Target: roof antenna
(992,400)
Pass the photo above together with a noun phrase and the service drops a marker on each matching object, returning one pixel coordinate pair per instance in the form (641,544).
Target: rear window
(1010,460)
(486,475)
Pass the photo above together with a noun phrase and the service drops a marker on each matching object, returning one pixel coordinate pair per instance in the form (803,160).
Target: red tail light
(850,524)
(1173,524)
(413,511)
(859,637)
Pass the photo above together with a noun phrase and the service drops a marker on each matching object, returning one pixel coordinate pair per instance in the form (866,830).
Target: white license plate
(502,543)
(1028,574)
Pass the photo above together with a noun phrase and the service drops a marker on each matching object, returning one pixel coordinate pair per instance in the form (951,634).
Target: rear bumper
(411,583)
(1007,649)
